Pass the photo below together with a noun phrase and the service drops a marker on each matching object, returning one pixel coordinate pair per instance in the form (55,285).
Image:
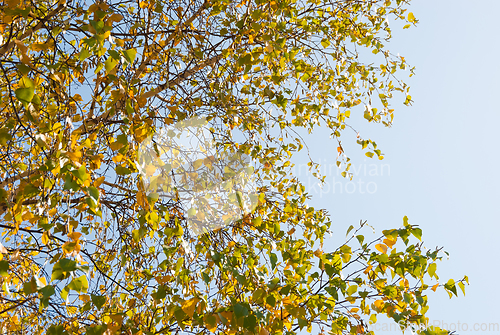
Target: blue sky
(441,154)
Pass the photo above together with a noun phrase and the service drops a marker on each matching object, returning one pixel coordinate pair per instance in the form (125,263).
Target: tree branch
(185,75)
(6,48)
(170,38)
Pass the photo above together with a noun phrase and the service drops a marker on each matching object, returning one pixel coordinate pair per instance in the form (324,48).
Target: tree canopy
(88,248)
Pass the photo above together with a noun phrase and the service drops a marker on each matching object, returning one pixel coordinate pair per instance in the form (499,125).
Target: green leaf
(98,25)
(271,300)
(346,253)
(79,284)
(352,289)
(62,269)
(240,310)
(247,59)
(115,54)
(417,232)
(98,300)
(81,173)
(84,54)
(30,191)
(26,82)
(250,322)
(30,287)
(96,329)
(450,286)
(93,193)
(110,64)
(129,55)
(273,258)
(70,184)
(23,68)
(25,94)
(349,230)
(64,293)
(432,270)
(47,291)
(122,170)
(4,267)
(5,136)
(56,330)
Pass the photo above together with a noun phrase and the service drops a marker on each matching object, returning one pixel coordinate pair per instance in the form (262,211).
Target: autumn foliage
(86,250)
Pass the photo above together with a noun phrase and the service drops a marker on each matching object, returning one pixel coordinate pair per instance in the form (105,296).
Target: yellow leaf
(142,101)
(209,161)
(142,200)
(27,216)
(39,46)
(197,163)
(45,238)
(115,146)
(189,306)
(381,247)
(119,42)
(379,304)
(140,134)
(163,279)
(389,242)
(5,19)
(116,17)
(99,181)
(118,318)
(226,315)
(43,281)
(71,309)
(25,59)
(411,17)
(69,247)
(74,156)
(84,298)
(74,235)
(113,328)
(118,158)
(150,170)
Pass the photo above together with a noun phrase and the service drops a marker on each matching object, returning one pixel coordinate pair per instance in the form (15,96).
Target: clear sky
(441,156)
